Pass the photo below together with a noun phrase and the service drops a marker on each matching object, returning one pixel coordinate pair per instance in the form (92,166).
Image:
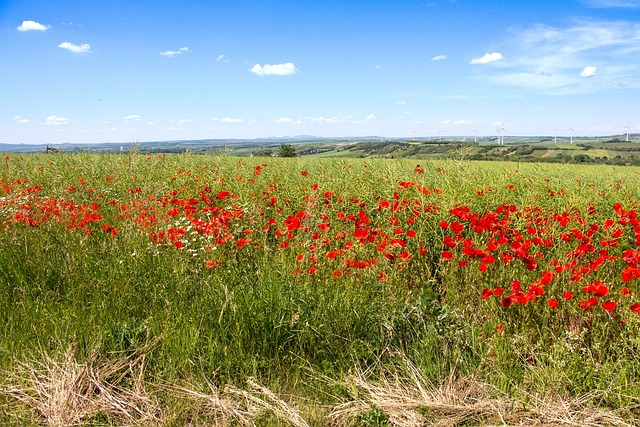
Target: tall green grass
(250,317)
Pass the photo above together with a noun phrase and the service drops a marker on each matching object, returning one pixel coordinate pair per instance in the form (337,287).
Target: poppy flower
(553,303)
(609,306)
(507,301)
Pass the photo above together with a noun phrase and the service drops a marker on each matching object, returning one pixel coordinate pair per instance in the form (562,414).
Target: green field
(211,290)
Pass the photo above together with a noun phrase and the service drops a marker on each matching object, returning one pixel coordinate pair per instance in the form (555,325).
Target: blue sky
(120,71)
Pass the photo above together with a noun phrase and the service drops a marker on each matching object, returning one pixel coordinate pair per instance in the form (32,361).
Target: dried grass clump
(409,400)
(579,411)
(232,404)
(66,393)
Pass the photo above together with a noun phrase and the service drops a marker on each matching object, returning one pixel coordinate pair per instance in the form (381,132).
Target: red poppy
(507,301)
(553,303)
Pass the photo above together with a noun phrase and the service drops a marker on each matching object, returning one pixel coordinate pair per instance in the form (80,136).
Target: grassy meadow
(210,290)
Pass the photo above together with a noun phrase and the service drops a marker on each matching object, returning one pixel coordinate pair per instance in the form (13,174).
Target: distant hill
(610,150)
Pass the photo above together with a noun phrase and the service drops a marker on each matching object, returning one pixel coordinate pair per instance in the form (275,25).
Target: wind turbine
(555,135)
(440,135)
(500,130)
(573,132)
(475,136)
(628,128)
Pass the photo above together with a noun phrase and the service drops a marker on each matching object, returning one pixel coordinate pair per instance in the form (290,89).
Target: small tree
(287,150)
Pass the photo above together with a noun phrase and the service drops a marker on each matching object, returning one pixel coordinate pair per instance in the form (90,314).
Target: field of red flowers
(522,272)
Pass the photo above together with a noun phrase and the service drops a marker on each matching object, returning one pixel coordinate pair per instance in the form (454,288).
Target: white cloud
(377,67)
(32,26)
(228,120)
(221,58)
(455,122)
(56,121)
(289,121)
(183,121)
(132,118)
(286,69)
(19,119)
(439,58)
(486,58)
(327,120)
(588,71)
(83,48)
(370,118)
(171,53)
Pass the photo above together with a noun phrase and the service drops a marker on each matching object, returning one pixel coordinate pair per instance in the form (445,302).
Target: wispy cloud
(228,120)
(613,4)
(487,58)
(172,53)
(221,58)
(449,122)
(328,120)
(83,48)
(332,120)
(19,119)
(132,118)
(32,26)
(286,69)
(289,121)
(439,58)
(56,121)
(183,121)
(552,59)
